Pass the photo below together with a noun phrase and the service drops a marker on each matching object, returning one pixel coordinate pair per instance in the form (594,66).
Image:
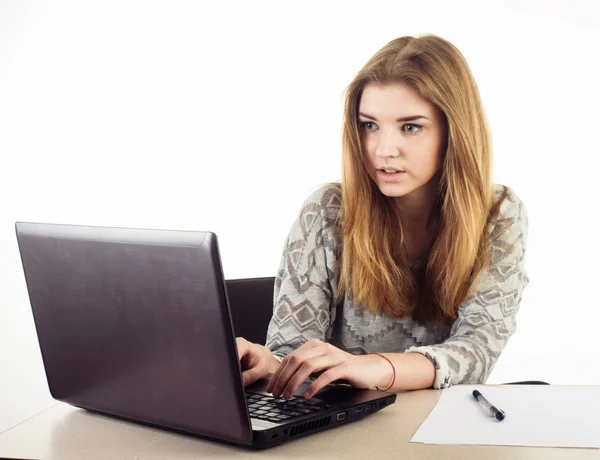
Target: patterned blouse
(464,352)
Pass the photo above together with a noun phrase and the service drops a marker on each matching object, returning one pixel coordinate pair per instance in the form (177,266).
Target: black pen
(499,414)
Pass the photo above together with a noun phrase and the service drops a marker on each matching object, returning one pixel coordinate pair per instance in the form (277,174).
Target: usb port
(342,416)
(359,409)
(371,406)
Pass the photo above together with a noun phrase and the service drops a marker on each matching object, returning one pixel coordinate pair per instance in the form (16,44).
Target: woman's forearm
(413,371)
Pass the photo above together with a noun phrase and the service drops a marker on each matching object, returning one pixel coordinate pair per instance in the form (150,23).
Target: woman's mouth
(390,174)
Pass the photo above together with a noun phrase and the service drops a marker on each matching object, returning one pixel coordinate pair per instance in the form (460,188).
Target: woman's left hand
(360,371)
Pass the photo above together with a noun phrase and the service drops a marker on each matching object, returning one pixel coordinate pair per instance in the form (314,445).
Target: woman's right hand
(257,360)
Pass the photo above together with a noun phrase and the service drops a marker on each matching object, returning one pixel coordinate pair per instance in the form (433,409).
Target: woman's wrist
(386,375)
(404,371)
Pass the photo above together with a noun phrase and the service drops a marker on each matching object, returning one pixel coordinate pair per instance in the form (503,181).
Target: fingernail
(286,395)
(306,395)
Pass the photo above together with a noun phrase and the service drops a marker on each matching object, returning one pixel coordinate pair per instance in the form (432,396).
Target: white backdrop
(224,116)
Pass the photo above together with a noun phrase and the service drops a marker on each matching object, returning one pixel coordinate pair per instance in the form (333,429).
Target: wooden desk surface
(63,432)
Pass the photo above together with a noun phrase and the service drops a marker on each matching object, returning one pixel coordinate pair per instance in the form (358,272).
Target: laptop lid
(131,322)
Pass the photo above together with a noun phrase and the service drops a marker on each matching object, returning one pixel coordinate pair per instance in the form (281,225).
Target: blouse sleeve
(303,293)
(487,319)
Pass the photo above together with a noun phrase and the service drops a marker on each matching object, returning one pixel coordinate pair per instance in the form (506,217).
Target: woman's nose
(388,145)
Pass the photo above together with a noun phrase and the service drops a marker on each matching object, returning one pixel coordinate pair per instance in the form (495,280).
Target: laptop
(136,324)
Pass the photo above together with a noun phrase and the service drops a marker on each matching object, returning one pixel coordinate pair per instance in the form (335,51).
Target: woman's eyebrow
(408,118)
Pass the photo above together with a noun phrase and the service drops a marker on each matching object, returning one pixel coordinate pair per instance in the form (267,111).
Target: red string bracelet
(393,369)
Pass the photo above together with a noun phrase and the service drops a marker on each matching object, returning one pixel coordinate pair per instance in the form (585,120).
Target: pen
(499,414)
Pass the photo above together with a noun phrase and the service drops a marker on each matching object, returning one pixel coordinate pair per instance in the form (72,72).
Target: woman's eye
(419,127)
(410,127)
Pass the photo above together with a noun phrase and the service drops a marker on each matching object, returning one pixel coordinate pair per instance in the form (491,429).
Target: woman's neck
(415,209)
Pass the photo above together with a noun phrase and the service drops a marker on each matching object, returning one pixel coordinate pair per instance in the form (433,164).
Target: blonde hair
(374,267)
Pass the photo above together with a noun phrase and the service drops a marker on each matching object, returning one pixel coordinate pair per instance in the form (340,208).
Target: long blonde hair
(374,267)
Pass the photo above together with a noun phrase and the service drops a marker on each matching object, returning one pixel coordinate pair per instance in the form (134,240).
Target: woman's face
(403,138)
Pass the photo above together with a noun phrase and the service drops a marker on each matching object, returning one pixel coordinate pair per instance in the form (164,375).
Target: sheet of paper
(536,415)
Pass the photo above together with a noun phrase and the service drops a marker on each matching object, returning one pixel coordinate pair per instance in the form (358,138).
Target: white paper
(536,415)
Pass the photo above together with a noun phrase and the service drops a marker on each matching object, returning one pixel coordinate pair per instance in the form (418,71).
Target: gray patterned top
(466,352)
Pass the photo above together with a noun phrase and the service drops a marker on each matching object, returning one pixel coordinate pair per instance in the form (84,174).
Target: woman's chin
(392,190)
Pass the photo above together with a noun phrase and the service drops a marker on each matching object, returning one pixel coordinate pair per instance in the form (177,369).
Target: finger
(243,347)
(290,366)
(309,367)
(283,363)
(310,350)
(311,344)
(252,375)
(325,379)
(275,377)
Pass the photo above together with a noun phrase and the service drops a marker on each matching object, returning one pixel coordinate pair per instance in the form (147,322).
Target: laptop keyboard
(265,407)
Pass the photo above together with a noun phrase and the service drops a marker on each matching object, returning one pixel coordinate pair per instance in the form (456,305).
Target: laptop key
(304,405)
(293,403)
(303,411)
(312,402)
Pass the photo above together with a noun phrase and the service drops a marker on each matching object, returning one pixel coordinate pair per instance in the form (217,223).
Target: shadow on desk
(527,382)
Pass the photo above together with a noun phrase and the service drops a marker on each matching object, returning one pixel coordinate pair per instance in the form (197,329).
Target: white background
(225,115)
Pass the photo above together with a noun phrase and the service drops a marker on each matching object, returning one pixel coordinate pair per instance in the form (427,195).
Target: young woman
(409,273)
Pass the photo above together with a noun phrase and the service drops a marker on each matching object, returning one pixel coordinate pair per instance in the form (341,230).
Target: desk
(64,432)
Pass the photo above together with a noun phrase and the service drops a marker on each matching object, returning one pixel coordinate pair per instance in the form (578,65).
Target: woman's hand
(360,371)
(257,360)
